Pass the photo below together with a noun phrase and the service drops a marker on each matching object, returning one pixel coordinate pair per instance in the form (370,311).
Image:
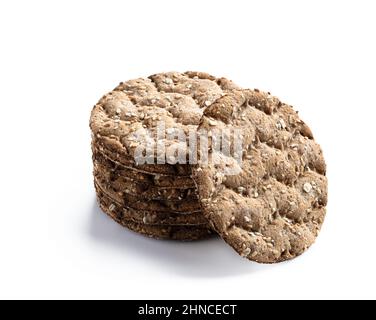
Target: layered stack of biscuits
(156,205)
(158,200)
(265,194)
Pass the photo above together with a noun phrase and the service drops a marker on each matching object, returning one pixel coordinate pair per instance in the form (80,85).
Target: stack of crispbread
(263,190)
(155,199)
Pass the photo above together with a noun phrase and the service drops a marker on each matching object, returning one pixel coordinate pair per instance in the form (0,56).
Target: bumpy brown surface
(274,208)
(167,232)
(137,106)
(149,217)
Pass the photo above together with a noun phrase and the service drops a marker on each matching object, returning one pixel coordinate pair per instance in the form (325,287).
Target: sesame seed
(281,124)
(307,187)
(241,189)
(168,81)
(246,252)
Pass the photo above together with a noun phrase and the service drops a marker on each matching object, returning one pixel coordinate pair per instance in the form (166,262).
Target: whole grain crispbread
(269,207)
(273,208)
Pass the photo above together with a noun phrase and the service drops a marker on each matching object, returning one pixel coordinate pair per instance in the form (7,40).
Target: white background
(59,57)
